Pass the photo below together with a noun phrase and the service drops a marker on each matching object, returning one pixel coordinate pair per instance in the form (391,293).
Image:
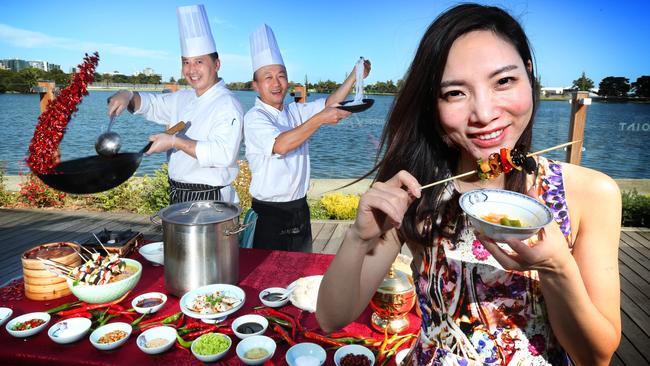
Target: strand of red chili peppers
(54,120)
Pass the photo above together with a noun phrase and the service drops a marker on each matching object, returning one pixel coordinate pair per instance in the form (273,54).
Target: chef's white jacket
(277,178)
(216,125)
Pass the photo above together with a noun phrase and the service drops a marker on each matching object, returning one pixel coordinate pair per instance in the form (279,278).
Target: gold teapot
(391,303)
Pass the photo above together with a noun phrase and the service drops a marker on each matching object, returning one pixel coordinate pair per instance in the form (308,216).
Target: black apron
(282,225)
(185,192)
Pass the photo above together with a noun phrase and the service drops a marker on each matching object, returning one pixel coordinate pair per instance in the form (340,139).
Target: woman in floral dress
(470,91)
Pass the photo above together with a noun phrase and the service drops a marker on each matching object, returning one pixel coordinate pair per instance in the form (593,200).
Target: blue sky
(320,39)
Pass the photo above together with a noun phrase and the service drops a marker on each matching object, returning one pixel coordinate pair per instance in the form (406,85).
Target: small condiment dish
(44,317)
(254,344)
(479,203)
(102,331)
(154,253)
(5,314)
(353,349)
(212,357)
(275,297)
(149,303)
(306,353)
(401,355)
(69,330)
(249,325)
(156,340)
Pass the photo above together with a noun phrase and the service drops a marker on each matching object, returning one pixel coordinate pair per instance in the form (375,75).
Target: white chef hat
(264,48)
(194,30)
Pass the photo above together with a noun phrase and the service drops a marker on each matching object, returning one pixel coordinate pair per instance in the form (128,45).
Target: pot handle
(153,220)
(238,229)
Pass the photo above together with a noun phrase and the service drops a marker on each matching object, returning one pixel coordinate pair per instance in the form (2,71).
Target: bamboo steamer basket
(41,284)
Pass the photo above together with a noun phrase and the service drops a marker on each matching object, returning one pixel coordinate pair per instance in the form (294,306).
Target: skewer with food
(505,161)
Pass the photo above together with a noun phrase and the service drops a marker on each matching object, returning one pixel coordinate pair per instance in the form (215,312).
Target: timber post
(579,103)
(45,93)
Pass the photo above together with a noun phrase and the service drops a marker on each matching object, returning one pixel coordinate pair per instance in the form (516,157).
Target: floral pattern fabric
(473,311)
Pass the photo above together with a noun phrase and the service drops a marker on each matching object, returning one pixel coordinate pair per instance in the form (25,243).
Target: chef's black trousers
(282,225)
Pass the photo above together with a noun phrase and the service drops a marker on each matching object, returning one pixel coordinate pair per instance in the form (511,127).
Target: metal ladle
(108,143)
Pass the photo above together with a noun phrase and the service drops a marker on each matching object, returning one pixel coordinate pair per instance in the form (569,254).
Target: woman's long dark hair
(412,138)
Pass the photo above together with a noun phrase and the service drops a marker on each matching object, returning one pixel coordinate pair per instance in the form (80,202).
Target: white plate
(230,290)
(23,318)
(305,292)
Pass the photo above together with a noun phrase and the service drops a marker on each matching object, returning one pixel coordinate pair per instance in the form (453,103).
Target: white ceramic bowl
(101,331)
(482,202)
(306,352)
(99,294)
(249,318)
(354,349)
(163,332)
(274,290)
(214,357)
(69,330)
(154,253)
(148,309)
(258,341)
(5,314)
(26,317)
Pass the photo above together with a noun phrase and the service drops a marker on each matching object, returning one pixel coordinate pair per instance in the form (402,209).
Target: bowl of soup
(502,215)
(116,287)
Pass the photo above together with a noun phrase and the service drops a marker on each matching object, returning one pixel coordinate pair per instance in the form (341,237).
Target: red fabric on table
(258,269)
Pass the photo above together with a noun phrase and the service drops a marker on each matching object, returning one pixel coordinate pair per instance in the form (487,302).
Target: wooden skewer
(474,172)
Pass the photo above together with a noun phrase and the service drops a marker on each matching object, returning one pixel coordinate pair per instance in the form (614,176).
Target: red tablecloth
(259,269)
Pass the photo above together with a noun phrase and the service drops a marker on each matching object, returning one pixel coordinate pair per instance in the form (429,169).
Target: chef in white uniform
(202,162)
(276,136)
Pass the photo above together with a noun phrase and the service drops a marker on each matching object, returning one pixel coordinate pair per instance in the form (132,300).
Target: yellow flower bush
(340,206)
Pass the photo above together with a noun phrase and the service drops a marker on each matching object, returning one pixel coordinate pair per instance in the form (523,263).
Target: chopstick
(474,172)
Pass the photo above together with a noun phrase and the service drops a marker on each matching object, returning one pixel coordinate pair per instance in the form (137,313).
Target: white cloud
(29,39)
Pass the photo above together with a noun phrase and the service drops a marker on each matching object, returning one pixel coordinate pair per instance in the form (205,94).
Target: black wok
(367,103)
(94,174)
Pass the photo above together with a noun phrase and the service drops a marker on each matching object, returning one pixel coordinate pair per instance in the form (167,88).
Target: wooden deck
(24,229)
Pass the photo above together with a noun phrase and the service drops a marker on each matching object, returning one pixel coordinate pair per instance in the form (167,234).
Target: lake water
(616,137)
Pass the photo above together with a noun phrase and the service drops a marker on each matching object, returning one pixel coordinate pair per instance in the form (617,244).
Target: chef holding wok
(202,162)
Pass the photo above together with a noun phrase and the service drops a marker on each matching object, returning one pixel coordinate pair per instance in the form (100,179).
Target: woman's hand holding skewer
(383,206)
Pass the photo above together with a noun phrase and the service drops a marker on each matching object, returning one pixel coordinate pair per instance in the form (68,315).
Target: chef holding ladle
(202,164)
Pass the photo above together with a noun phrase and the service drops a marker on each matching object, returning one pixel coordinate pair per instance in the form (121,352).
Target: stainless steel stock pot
(200,243)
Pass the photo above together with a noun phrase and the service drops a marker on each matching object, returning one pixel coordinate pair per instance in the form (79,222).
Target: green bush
(155,191)
(636,209)
(340,206)
(127,196)
(6,197)
(317,211)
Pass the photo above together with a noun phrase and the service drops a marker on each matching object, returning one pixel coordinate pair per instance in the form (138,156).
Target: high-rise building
(15,64)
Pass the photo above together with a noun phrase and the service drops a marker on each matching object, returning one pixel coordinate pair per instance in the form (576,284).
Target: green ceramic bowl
(99,294)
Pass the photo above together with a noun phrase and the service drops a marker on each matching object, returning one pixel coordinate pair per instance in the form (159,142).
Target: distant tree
(172,80)
(400,83)
(182,81)
(614,86)
(30,76)
(119,78)
(583,82)
(60,78)
(642,86)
